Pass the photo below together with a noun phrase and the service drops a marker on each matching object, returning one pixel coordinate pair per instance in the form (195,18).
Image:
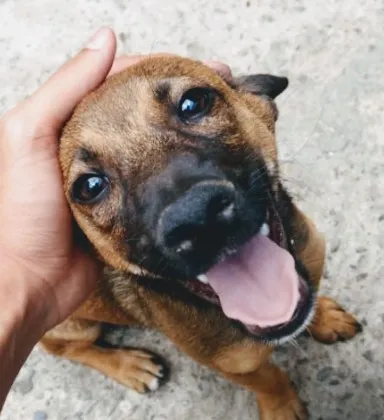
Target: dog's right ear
(266,85)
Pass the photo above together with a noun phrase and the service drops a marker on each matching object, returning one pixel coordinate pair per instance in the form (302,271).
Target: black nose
(199,217)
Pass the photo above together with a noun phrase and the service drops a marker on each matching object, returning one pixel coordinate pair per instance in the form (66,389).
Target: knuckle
(21,124)
(12,125)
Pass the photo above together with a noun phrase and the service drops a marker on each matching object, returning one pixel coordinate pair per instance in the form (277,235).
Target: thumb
(54,102)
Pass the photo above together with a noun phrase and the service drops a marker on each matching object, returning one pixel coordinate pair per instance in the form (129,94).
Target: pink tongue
(258,285)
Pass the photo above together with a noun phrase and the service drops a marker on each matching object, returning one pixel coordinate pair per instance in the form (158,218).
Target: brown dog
(172,174)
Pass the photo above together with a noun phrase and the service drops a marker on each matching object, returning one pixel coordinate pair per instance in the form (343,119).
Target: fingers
(222,69)
(54,102)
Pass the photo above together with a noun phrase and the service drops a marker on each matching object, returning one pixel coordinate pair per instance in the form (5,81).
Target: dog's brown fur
(125,107)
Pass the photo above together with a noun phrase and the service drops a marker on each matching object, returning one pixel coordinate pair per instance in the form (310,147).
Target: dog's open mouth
(259,286)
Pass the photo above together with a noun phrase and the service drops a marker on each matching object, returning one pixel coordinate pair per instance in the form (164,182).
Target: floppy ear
(265,85)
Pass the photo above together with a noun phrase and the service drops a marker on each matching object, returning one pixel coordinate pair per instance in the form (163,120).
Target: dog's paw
(332,323)
(137,369)
(294,409)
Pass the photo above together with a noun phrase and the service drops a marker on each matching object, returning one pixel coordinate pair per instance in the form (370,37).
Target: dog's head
(172,174)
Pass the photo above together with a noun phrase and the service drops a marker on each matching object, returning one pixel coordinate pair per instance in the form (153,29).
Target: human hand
(37,247)
(37,250)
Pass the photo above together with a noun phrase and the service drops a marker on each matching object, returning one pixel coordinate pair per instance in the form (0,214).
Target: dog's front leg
(275,394)
(80,340)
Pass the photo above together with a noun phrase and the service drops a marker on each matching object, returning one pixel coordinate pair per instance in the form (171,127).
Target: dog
(172,176)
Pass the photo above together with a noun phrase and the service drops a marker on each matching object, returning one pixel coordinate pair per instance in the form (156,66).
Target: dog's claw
(359,327)
(140,369)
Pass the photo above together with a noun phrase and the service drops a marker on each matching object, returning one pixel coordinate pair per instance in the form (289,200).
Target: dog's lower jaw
(308,306)
(299,331)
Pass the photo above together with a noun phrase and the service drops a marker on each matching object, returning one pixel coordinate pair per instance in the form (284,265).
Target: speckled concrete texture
(331,138)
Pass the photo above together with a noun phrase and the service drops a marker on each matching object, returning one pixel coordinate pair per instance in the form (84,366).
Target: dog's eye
(90,188)
(195,103)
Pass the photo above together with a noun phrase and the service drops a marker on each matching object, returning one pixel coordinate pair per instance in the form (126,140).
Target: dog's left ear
(265,85)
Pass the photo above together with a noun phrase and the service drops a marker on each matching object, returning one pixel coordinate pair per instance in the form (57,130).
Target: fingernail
(98,40)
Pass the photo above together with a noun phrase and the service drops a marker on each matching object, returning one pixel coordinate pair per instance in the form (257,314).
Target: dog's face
(172,174)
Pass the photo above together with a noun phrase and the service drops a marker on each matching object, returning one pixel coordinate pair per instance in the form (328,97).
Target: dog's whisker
(313,260)
(141,261)
(162,265)
(310,333)
(295,344)
(299,184)
(132,240)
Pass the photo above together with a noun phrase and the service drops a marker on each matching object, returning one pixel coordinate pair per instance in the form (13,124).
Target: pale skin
(44,276)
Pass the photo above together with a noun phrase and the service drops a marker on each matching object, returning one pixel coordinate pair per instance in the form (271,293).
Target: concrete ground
(332,151)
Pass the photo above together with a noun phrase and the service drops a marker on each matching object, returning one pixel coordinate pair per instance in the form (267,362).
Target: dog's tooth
(203,278)
(264,230)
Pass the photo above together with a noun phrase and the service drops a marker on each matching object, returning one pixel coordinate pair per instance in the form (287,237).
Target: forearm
(21,321)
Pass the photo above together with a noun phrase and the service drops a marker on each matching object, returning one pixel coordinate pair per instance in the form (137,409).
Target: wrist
(21,324)
(24,308)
